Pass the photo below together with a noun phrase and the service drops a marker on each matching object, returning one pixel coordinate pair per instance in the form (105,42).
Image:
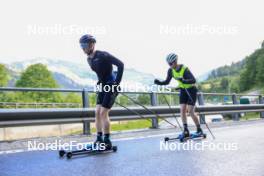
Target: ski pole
(204,121)
(158,116)
(133,111)
(172,111)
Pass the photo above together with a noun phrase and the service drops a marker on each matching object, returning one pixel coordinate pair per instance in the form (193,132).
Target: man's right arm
(165,82)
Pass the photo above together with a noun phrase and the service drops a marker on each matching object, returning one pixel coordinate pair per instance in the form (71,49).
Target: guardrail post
(261,101)
(236,116)
(154,102)
(85,102)
(201,102)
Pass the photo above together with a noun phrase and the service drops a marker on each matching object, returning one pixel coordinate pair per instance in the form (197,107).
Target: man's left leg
(195,118)
(107,104)
(106,126)
(192,94)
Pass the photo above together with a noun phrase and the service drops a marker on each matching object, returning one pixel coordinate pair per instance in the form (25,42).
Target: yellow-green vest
(180,74)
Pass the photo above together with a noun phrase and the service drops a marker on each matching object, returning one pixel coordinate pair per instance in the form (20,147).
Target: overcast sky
(204,33)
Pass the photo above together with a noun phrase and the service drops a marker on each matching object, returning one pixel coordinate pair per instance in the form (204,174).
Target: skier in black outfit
(188,90)
(102,63)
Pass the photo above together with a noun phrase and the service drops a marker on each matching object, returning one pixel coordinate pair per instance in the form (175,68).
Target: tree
(213,75)
(92,100)
(144,99)
(73,98)
(243,81)
(123,100)
(3,82)
(38,76)
(224,83)
(3,76)
(253,72)
(249,74)
(234,85)
(260,70)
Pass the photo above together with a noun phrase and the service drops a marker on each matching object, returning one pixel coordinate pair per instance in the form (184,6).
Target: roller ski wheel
(204,135)
(62,153)
(69,155)
(166,139)
(114,148)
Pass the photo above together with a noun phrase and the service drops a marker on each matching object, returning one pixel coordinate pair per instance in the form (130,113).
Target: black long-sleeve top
(102,64)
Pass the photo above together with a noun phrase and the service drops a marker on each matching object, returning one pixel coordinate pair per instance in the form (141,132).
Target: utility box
(248,100)
(244,100)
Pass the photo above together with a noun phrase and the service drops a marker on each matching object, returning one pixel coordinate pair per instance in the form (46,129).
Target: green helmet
(171,58)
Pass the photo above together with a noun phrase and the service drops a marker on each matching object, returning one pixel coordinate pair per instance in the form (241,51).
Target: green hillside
(242,76)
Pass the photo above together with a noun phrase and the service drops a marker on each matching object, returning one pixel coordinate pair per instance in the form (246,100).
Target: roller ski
(95,148)
(70,154)
(185,136)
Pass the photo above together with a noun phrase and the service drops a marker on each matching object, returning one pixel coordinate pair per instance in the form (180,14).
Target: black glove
(176,89)
(156,81)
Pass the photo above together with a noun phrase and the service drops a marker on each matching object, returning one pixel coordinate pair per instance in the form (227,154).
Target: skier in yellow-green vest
(188,90)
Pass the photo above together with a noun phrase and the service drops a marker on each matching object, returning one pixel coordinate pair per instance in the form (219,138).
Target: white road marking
(114,140)
(141,137)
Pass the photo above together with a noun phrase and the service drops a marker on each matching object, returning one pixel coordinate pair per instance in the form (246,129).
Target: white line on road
(114,140)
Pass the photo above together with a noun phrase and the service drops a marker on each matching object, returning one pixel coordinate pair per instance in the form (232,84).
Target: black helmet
(85,39)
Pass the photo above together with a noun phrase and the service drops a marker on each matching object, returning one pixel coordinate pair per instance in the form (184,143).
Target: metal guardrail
(91,91)
(21,117)
(37,105)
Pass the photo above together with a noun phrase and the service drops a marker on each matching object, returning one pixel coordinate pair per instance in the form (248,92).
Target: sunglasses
(85,45)
(170,64)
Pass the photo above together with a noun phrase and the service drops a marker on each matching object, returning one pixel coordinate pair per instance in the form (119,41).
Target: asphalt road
(142,156)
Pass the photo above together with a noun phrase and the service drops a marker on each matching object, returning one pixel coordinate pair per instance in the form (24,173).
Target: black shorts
(188,96)
(106,99)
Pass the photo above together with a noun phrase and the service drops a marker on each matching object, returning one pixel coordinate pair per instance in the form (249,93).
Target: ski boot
(185,135)
(108,144)
(96,144)
(198,133)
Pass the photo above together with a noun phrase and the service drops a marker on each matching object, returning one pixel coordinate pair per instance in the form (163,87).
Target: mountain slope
(73,75)
(243,76)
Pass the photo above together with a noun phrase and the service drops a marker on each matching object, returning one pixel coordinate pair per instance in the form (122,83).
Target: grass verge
(123,126)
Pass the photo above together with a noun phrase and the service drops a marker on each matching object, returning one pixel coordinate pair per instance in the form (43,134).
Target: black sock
(198,127)
(99,135)
(107,137)
(185,126)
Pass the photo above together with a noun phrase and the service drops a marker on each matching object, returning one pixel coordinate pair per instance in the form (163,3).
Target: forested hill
(245,75)
(228,70)
(253,73)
